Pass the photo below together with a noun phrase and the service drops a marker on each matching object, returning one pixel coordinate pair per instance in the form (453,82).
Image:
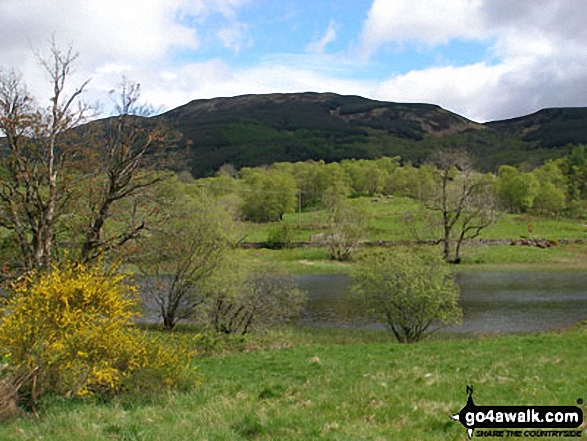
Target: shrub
(69,332)
(280,237)
(408,291)
(243,301)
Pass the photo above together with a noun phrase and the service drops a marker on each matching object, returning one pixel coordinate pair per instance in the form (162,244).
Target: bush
(69,332)
(244,302)
(280,237)
(409,292)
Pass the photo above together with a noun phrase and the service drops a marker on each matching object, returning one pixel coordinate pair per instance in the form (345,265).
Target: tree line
(558,187)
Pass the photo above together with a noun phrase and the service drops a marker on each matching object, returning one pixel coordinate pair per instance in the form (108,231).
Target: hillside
(551,128)
(253,130)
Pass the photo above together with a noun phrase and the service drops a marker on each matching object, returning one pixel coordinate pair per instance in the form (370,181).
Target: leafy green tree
(271,194)
(399,182)
(387,165)
(575,169)
(312,180)
(337,178)
(280,237)
(409,292)
(552,196)
(550,199)
(226,191)
(551,171)
(183,251)
(516,190)
(365,176)
(417,183)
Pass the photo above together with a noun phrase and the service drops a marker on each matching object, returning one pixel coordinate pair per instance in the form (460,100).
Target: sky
(483,59)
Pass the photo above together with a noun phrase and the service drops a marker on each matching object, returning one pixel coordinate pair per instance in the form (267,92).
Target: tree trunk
(446,243)
(168,322)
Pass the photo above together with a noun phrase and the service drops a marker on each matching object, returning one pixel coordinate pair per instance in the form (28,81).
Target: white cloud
(537,58)
(320,45)
(107,30)
(540,47)
(234,37)
(136,38)
(227,8)
(468,90)
(215,78)
(431,22)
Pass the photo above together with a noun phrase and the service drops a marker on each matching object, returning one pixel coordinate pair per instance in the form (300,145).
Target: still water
(497,302)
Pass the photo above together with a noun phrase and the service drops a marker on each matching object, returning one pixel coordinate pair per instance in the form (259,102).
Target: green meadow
(338,385)
(399,219)
(408,221)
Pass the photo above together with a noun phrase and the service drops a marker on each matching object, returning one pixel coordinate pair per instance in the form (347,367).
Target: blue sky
(483,59)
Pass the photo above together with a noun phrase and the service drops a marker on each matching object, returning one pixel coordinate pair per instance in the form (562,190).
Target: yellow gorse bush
(69,331)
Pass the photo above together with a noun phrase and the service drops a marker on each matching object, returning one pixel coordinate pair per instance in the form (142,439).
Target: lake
(496,302)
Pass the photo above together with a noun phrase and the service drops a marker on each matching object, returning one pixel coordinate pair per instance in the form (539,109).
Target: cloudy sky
(483,59)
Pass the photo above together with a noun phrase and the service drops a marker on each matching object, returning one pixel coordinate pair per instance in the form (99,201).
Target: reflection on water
(498,302)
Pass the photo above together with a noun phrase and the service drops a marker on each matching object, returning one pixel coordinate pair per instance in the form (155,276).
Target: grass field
(322,390)
(406,219)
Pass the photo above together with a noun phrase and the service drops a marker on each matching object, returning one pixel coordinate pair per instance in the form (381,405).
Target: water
(497,302)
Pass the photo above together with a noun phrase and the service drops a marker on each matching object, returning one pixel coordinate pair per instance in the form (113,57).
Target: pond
(496,302)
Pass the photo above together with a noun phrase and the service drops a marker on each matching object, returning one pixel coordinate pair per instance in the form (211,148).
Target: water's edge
(492,302)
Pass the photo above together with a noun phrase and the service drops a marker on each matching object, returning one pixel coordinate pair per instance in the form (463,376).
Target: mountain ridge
(254,130)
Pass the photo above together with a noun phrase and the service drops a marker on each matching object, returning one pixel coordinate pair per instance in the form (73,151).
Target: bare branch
(463,198)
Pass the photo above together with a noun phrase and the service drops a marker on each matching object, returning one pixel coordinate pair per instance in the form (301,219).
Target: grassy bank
(572,257)
(328,391)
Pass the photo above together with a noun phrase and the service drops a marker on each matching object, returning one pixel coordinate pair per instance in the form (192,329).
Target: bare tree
(346,224)
(56,173)
(127,146)
(464,198)
(259,301)
(35,187)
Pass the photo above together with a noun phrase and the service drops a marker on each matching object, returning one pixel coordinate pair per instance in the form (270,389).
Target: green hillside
(551,128)
(253,130)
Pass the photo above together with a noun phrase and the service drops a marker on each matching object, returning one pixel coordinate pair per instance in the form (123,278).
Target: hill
(551,128)
(253,130)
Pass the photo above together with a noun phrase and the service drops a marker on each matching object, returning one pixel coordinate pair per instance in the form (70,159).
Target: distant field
(406,219)
(403,219)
